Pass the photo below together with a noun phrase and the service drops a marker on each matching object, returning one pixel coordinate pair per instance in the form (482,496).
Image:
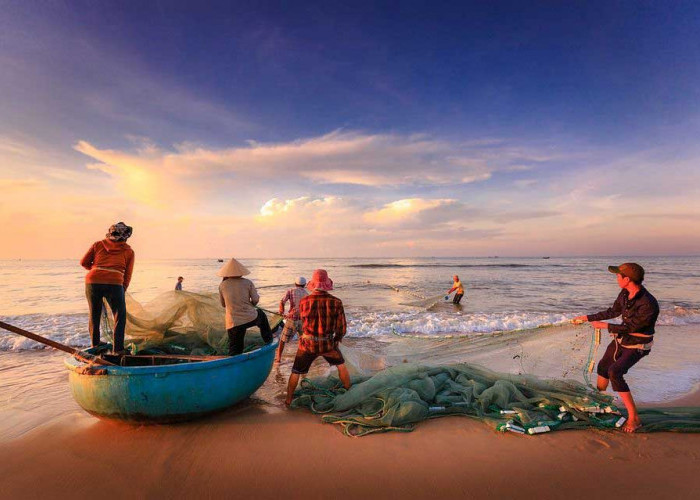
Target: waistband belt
(643,347)
(317,339)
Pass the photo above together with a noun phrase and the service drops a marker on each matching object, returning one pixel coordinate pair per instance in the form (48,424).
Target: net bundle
(397,398)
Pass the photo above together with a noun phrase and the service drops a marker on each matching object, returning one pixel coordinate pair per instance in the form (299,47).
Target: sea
(397,311)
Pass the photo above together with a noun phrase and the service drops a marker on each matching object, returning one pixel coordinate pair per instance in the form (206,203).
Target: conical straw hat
(233,268)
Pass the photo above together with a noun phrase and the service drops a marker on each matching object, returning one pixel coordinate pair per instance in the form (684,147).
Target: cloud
(150,174)
(419,213)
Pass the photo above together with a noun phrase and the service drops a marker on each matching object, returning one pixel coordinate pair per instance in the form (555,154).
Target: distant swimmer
(178,285)
(632,339)
(292,325)
(111,263)
(457,285)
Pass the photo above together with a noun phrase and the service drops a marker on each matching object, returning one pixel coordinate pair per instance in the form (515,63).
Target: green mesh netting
(397,398)
(181,322)
(517,394)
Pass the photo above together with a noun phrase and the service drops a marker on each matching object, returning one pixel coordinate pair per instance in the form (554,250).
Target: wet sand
(51,448)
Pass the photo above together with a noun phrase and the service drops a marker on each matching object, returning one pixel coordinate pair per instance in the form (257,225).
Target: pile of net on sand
(396,398)
(179,322)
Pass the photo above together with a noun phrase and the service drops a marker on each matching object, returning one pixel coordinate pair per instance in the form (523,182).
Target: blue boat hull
(168,393)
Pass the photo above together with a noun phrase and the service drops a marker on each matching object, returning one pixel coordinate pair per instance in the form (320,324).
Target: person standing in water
(110,263)
(292,325)
(632,339)
(239,296)
(457,285)
(178,285)
(323,328)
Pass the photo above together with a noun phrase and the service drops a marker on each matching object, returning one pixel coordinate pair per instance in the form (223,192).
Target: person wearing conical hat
(292,324)
(110,263)
(323,328)
(239,296)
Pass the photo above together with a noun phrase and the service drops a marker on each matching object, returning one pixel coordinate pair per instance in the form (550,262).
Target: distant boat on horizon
(545,257)
(220,260)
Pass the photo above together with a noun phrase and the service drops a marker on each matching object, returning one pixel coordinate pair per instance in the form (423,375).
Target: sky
(350,129)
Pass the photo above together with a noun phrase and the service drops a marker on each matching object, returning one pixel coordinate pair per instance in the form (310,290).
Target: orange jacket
(109,262)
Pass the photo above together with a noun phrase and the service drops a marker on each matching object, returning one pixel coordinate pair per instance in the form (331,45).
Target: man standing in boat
(239,296)
(632,339)
(456,286)
(292,325)
(110,263)
(323,328)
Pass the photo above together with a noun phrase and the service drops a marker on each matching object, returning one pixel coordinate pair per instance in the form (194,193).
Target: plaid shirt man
(294,296)
(323,322)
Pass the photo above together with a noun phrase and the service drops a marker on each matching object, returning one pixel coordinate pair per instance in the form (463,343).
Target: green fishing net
(536,380)
(397,398)
(180,322)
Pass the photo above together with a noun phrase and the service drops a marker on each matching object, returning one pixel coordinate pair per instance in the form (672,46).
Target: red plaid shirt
(323,322)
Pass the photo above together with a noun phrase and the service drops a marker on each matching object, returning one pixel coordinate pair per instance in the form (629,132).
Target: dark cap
(633,271)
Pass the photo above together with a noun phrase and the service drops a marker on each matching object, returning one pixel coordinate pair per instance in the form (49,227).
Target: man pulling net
(632,339)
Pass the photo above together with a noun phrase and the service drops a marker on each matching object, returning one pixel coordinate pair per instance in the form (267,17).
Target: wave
(679,316)
(375,324)
(72,329)
(460,266)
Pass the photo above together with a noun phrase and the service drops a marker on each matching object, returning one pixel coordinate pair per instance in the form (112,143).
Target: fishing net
(538,380)
(396,398)
(180,322)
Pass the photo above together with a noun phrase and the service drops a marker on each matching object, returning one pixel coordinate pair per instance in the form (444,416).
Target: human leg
(344,375)
(264,325)
(302,363)
(291,328)
(280,348)
(457,298)
(625,360)
(94,298)
(117,303)
(633,421)
(604,365)
(236,339)
(335,358)
(291,387)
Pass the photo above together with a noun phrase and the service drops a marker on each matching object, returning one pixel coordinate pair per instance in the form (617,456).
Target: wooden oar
(81,355)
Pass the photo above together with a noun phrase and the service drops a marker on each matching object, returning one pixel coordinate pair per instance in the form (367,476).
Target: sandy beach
(50,447)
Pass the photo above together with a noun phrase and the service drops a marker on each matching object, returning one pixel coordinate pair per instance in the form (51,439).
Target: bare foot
(288,402)
(277,360)
(631,426)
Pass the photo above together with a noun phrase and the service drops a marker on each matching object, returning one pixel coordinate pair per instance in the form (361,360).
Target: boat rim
(74,364)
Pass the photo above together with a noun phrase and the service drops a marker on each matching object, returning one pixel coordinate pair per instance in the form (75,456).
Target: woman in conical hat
(233,269)
(239,297)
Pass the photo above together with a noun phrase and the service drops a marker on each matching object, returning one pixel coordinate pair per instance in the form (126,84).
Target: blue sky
(561,114)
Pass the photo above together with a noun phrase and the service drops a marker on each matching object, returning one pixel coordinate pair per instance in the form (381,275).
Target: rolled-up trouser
(114,295)
(236,334)
(615,363)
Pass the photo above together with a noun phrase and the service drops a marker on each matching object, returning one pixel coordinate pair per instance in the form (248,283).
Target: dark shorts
(615,363)
(303,360)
